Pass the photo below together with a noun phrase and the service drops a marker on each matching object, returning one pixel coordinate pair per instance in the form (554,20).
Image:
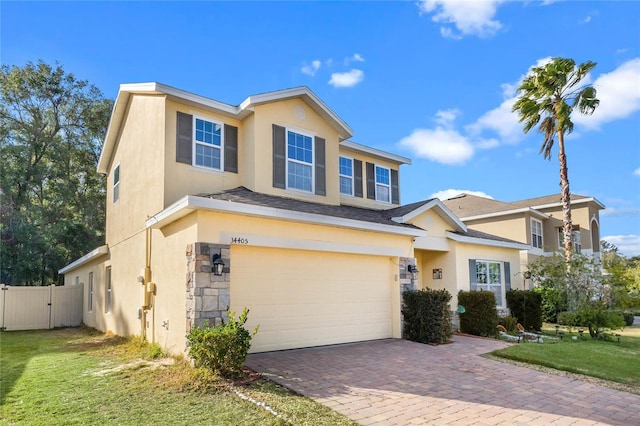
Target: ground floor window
(107,299)
(489,277)
(90,293)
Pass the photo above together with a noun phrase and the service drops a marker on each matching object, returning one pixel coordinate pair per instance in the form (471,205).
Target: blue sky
(431,80)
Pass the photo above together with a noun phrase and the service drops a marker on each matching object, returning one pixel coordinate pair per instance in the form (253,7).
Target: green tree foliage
(52,199)
(624,274)
(546,98)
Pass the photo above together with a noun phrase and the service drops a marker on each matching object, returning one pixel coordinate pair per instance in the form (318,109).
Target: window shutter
(230,148)
(321,180)
(395,188)
(357,178)
(371,181)
(507,276)
(279,157)
(473,285)
(184,134)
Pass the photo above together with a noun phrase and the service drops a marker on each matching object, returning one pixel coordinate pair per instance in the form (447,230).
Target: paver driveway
(397,382)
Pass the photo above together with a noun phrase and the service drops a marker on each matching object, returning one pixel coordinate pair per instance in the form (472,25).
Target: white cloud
(346,79)
(636,172)
(445,118)
(586,20)
(311,69)
(441,145)
(447,194)
(621,51)
(468,17)
(619,94)
(355,58)
(629,245)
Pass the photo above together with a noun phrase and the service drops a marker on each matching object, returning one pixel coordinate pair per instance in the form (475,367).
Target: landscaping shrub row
(426,315)
(480,316)
(526,306)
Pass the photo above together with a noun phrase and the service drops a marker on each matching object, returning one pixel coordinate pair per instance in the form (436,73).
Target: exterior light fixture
(217,264)
(526,275)
(413,270)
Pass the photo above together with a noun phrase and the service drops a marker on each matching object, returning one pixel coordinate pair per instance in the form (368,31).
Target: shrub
(480,317)
(526,306)
(223,348)
(510,323)
(427,318)
(628,318)
(594,316)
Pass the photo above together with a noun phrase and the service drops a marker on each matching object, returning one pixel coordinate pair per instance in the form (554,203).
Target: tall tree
(51,197)
(546,98)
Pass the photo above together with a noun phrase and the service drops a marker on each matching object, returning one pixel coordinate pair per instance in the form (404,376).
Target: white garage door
(308,298)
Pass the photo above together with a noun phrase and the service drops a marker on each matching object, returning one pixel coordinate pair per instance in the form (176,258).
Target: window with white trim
(299,161)
(107,298)
(207,139)
(536,233)
(116,183)
(346,175)
(575,239)
(489,278)
(383,184)
(90,293)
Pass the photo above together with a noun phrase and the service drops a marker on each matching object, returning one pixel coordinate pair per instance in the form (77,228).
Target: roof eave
(443,211)
(486,242)
(375,152)
(92,255)
(531,210)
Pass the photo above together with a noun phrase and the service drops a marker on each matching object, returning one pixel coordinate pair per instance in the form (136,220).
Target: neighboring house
(536,222)
(306,225)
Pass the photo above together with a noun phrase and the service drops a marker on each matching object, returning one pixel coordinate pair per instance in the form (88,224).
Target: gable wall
(514,227)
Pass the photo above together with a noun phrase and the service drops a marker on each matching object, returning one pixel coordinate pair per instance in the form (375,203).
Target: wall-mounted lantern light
(527,275)
(413,270)
(217,264)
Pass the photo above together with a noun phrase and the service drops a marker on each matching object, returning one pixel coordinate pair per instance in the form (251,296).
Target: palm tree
(548,96)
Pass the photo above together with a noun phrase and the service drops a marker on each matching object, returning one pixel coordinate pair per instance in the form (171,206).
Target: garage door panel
(304,298)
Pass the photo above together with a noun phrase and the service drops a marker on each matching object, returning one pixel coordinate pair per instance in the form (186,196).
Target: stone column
(207,295)
(406,283)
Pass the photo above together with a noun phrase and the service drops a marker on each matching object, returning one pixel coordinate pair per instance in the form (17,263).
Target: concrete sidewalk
(397,382)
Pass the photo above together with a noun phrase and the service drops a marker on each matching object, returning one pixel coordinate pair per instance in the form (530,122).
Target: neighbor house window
(116,183)
(90,293)
(299,162)
(107,297)
(346,176)
(575,239)
(383,184)
(489,278)
(536,233)
(208,144)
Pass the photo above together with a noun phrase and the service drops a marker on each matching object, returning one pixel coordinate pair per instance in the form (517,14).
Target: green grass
(81,377)
(609,360)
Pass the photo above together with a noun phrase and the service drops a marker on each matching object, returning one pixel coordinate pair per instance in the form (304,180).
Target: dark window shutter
(357,178)
(473,277)
(184,134)
(371,181)
(507,276)
(279,157)
(395,187)
(230,148)
(321,179)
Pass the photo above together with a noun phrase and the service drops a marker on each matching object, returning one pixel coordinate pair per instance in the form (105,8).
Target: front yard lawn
(609,360)
(79,376)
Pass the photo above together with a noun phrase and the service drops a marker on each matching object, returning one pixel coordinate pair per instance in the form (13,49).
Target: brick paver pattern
(397,382)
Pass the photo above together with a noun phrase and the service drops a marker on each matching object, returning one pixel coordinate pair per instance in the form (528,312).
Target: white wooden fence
(33,308)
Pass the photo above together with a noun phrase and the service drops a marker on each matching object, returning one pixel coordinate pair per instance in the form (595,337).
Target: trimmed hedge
(427,318)
(526,306)
(480,317)
(628,318)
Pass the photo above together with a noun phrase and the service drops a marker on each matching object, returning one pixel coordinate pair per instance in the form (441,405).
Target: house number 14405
(239,240)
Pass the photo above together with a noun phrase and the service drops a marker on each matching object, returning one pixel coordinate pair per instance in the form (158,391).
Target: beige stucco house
(536,222)
(308,225)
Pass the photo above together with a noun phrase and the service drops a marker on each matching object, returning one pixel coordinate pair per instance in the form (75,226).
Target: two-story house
(265,205)
(536,222)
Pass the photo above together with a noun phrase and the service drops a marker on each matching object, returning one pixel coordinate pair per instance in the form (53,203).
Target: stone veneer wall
(406,283)
(208,295)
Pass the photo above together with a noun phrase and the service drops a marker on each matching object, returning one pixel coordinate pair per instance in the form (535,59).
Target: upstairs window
(575,239)
(346,176)
(383,184)
(116,183)
(299,161)
(536,233)
(208,144)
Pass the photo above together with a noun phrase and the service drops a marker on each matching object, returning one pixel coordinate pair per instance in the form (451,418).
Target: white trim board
(94,254)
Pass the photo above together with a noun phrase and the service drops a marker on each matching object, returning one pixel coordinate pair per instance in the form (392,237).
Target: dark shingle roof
(541,201)
(477,234)
(246,196)
(466,205)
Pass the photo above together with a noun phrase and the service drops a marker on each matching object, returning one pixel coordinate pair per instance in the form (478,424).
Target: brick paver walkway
(397,382)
